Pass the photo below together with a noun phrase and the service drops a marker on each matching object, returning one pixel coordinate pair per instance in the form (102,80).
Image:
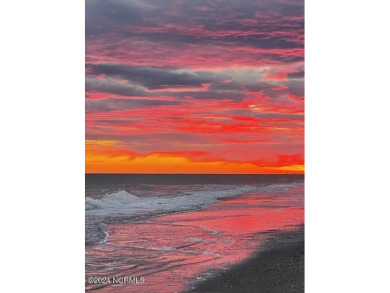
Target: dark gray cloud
(112,86)
(147,139)
(113,104)
(152,77)
(151,81)
(296,87)
(298,74)
(260,21)
(107,16)
(155,82)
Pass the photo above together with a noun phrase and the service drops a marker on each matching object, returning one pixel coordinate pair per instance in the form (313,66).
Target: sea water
(166,233)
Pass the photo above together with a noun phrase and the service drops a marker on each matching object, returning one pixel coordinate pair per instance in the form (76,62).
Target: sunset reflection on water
(175,251)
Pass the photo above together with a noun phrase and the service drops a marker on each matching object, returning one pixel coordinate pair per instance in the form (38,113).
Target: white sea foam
(124,203)
(111,200)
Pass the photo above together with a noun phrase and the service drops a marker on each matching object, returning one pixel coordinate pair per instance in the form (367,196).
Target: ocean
(168,233)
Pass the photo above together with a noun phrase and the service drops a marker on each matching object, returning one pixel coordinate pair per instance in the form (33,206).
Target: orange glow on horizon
(170,163)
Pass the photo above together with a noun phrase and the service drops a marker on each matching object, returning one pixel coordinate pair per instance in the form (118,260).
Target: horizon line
(194,173)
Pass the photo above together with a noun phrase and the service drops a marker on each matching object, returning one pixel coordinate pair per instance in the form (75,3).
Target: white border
(42,146)
(347,146)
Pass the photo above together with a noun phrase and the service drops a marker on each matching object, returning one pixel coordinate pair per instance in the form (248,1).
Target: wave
(123,206)
(122,202)
(110,200)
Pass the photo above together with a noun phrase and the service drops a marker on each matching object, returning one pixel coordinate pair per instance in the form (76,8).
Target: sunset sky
(194,86)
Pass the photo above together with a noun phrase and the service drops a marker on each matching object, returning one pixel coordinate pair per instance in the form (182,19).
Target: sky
(194,86)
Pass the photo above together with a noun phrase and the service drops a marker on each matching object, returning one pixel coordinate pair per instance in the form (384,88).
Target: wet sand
(277,268)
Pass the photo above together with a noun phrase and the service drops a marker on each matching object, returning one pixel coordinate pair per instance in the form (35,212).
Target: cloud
(151,77)
(228,84)
(194,30)
(108,85)
(112,104)
(207,80)
(297,74)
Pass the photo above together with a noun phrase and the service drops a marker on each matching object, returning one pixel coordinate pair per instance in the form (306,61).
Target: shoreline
(277,268)
(232,229)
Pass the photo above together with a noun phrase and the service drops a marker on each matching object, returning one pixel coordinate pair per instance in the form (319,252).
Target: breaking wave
(122,202)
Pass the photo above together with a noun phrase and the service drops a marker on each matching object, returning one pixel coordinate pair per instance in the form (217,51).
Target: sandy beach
(278,267)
